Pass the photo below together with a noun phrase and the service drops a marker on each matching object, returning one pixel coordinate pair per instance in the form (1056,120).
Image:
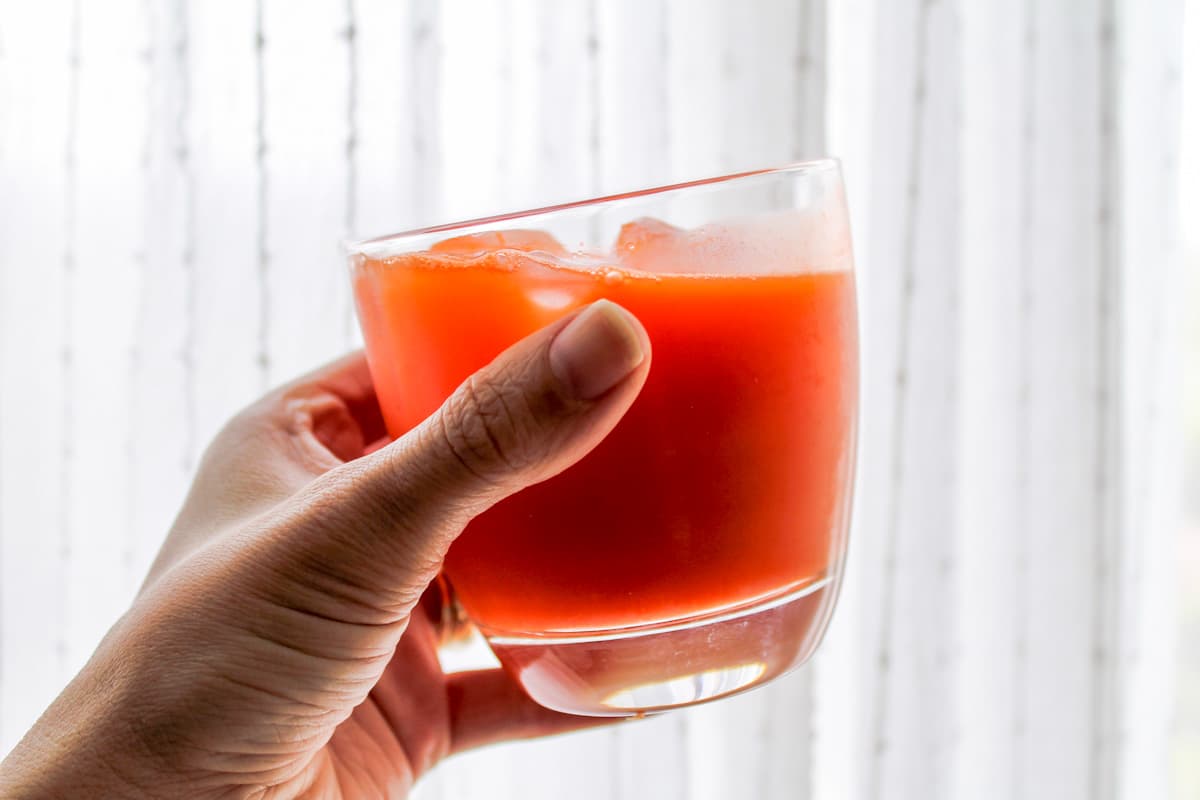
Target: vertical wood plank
(70,257)
(809,80)
(1109,470)
(162,435)
(227,211)
(1023,496)
(993,512)
(652,758)
(565,59)
(37,169)
(838,698)
(634,95)
(872,555)
(262,196)
(353,337)
(305,89)
(473,110)
(697,118)
(767,101)
(1066,521)
(101,295)
(1152,284)
(523,178)
(424,70)
(914,232)
(382,120)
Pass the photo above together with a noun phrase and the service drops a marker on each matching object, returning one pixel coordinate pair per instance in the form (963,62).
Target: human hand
(284,643)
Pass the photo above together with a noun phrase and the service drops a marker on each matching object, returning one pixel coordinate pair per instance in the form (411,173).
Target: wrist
(52,762)
(84,745)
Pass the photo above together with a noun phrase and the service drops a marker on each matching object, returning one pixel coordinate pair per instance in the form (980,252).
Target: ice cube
(785,242)
(650,245)
(475,244)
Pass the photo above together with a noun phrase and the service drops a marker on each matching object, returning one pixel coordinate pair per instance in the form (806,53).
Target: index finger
(487,706)
(347,379)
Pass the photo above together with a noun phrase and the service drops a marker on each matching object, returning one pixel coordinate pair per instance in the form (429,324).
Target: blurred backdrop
(175,178)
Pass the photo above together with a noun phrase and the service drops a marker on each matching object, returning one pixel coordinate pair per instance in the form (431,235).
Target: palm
(400,731)
(417,714)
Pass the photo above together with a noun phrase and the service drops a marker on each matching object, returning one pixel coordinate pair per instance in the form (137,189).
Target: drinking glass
(697,551)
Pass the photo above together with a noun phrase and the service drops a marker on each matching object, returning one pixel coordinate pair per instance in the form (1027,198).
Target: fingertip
(488,706)
(598,349)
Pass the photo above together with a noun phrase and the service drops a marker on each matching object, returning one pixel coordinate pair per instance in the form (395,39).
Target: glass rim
(814,165)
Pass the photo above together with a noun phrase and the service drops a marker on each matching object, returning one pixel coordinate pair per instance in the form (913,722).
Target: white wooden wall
(175,178)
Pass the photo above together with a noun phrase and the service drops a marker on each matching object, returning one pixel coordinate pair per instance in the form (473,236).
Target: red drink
(691,553)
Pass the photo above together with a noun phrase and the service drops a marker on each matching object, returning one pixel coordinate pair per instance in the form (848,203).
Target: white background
(175,178)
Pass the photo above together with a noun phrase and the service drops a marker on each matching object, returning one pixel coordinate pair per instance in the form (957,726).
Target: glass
(697,550)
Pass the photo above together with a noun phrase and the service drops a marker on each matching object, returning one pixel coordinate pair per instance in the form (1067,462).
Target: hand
(280,645)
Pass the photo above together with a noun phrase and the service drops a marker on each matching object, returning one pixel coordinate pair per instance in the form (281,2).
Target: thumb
(381,525)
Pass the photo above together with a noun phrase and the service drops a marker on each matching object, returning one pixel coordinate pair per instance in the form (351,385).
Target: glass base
(674,664)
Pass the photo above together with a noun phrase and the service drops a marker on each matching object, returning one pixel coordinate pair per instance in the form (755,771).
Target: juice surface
(726,481)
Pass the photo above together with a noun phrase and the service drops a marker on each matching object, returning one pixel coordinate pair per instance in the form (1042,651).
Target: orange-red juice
(726,482)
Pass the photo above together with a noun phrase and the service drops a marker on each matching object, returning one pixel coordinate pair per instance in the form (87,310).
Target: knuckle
(490,428)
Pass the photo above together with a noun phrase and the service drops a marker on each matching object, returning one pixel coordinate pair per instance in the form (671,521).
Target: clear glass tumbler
(697,550)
